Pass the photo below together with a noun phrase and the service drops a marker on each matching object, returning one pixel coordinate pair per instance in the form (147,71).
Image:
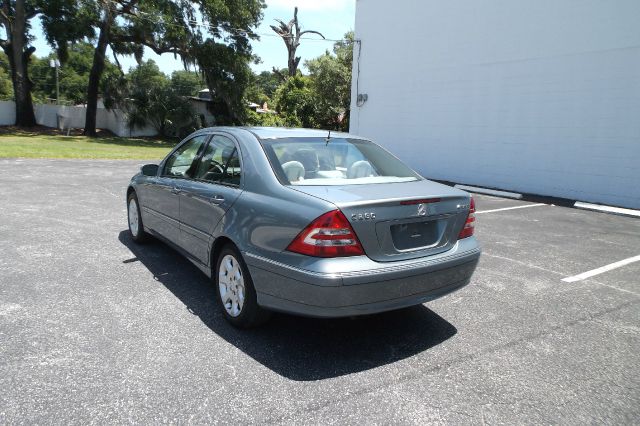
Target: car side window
(180,163)
(220,162)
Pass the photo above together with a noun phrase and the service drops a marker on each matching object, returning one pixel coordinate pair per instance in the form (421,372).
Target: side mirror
(149,169)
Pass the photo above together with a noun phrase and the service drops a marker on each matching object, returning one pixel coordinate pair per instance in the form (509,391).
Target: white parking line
(601,270)
(512,208)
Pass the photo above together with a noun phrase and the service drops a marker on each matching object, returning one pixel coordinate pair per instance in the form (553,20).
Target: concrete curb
(487,191)
(607,209)
(552,201)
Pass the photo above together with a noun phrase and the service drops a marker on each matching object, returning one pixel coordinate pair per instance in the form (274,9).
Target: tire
(134,218)
(235,292)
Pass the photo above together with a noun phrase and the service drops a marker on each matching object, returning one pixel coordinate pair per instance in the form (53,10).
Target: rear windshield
(338,161)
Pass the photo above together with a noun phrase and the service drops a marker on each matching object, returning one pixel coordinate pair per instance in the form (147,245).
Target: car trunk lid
(398,221)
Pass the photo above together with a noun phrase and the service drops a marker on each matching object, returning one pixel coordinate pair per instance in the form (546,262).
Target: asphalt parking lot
(94,329)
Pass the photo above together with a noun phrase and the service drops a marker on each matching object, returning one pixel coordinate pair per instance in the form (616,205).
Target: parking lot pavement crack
(114,195)
(625,329)
(612,287)
(519,262)
(68,222)
(415,375)
(529,265)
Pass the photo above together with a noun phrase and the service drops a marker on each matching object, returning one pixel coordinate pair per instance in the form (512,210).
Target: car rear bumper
(386,287)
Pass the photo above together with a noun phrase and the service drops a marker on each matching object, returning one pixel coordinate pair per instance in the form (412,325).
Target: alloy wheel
(231,285)
(134,220)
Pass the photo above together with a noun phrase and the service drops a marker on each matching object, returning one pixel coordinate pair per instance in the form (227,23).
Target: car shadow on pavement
(299,348)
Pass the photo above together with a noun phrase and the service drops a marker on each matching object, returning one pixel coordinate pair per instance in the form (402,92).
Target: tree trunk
(19,57)
(94,76)
(292,40)
(293,60)
(25,116)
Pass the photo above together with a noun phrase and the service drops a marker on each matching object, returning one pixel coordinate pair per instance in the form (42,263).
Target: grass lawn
(25,144)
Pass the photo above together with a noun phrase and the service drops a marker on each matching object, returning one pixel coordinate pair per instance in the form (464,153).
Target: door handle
(217,199)
(175,190)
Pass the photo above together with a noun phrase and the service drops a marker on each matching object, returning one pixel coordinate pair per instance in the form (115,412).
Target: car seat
(359,169)
(309,159)
(294,170)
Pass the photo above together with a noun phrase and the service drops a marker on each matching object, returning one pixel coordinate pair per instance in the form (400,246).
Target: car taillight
(330,235)
(470,223)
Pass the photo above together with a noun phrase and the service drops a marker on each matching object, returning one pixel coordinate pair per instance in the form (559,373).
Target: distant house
(205,94)
(260,109)
(201,105)
(532,96)
(205,102)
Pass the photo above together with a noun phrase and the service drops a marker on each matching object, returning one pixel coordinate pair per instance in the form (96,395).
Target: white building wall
(538,96)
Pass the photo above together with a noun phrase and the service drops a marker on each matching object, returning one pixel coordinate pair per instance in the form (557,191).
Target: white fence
(7,113)
(60,116)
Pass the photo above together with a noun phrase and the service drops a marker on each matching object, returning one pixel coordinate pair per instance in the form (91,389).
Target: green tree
(331,81)
(255,94)
(268,82)
(262,87)
(187,83)
(6,89)
(73,75)
(15,18)
(296,102)
(165,26)
(227,74)
(155,99)
(43,79)
(264,120)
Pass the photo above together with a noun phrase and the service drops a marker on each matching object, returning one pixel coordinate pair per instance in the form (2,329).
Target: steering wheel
(215,167)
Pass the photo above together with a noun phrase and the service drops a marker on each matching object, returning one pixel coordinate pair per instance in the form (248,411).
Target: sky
(333,18)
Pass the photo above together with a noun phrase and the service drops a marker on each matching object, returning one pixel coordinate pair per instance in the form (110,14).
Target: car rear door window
(334,161)
(220,162)
(180,163)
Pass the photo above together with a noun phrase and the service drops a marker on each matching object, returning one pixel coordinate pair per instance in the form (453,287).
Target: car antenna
(328,138)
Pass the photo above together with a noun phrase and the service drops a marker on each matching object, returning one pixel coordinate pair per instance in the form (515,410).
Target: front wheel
(135,220)
(235,291)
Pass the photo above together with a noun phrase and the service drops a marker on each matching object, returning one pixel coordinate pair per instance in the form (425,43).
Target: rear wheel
(235,291)
(136,229)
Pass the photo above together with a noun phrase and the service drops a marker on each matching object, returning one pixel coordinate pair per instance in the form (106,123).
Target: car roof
(284,132)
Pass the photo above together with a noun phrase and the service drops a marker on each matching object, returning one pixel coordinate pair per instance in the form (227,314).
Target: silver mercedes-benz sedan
(306,222)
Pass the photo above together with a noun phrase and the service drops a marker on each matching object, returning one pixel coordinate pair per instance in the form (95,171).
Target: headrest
(294,170)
